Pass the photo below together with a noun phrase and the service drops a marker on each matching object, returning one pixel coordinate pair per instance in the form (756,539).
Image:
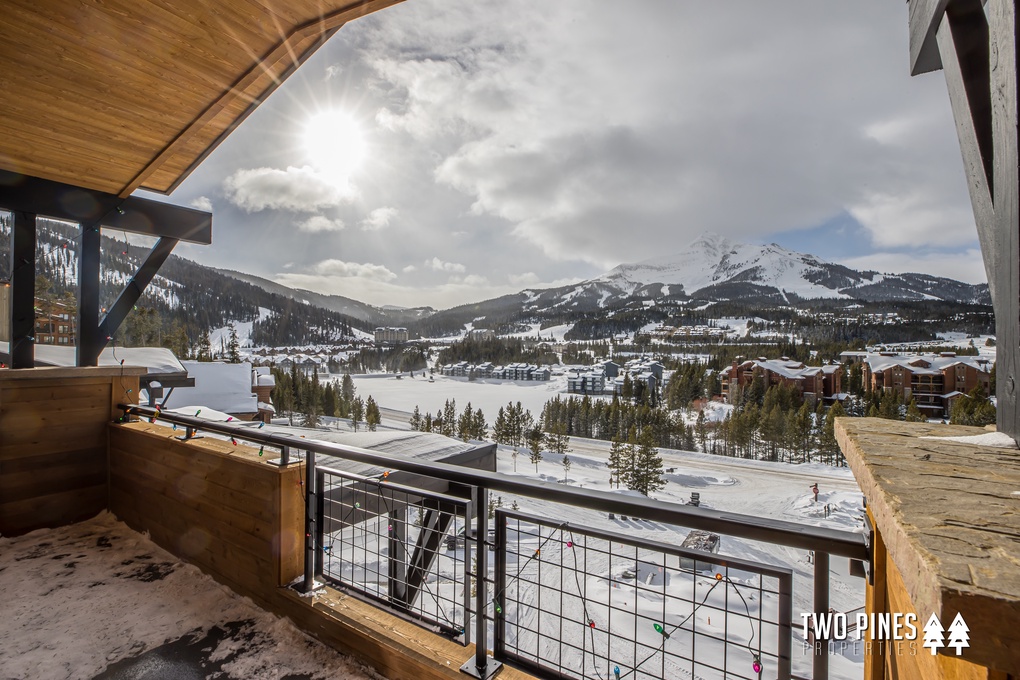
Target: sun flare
(335,143)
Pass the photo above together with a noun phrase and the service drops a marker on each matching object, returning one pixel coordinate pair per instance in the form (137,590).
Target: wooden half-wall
(220,506)
(53,435)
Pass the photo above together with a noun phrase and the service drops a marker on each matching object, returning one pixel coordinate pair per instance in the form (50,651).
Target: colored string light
(262,450)
(495,605)
(229,418)
(757,664)
(197,412)
(616,672)
(660,630)
(233,441)
(261,425)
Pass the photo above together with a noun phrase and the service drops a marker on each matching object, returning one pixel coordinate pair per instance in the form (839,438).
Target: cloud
(296,189)
(319,223)
(966,265)
(409,268)
(570,136)
(438,265)
(378,219)
(469,280)
(341,269)
(202,203)
(525,279)
(333,70)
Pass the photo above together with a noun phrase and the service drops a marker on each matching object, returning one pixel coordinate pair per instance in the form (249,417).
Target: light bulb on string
(756,665)
(660,630)
(616,672)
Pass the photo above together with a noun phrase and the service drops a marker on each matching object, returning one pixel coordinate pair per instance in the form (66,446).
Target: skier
(814,489)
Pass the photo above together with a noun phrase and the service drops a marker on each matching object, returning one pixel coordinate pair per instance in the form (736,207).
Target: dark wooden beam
(89,345)
(925,17)
(22,349)
(87,206)
(963,44)
(134,288)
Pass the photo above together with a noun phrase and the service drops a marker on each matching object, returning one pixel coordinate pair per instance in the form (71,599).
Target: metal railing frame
(822,541)
(783,576)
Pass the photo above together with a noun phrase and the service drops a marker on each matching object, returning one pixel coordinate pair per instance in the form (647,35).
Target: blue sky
(437,153)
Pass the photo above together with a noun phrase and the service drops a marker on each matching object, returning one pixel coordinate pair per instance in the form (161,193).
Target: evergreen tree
(557,440)
(478,426)
(372,415)
(417,424)
(701,429)
(646,475)
(617,461)
(204,347)
(914,414)
(465,423)
(233,346)
(566,467)
(535,439)
(357,412)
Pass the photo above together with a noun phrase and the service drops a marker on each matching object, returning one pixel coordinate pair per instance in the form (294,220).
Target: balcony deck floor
(97,600)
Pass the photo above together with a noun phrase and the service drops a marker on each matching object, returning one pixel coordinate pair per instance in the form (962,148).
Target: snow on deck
(81,598)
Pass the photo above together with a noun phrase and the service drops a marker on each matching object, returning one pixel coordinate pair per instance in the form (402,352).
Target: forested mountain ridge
(184,298)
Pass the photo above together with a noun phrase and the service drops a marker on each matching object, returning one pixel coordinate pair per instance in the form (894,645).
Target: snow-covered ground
(79,599)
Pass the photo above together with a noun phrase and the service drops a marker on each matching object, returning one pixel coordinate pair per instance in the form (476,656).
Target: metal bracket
(491,669)
(869,543)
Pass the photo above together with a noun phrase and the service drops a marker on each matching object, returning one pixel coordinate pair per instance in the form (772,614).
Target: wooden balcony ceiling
(115,95)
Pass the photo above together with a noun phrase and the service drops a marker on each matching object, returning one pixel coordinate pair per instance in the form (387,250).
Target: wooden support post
(22,349)
(977,49)
(89,345)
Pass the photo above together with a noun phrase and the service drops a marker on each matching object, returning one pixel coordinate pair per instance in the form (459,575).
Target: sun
(335,143)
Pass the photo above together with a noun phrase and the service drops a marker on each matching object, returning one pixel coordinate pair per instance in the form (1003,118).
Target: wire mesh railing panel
(578,602)
(402,546)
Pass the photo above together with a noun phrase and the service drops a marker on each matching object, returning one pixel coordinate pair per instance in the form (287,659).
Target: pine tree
(535,439)
(372,415)
(416,421)
(617,461)
(204,347)
(914,414)
(357,412)
(566,467)
(556,440)
(233,346)
(646,476)
(701,428)
(464,423)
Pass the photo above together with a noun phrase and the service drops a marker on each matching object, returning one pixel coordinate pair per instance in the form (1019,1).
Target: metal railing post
(320,524)
(785,617)
(499,585)
(820,661)
(311,526)
(482,666)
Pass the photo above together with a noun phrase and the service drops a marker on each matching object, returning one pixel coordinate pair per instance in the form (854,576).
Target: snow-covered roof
(223,387)
(156,359)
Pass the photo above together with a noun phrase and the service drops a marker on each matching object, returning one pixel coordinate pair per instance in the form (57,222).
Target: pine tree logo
(958,634)
(933,634)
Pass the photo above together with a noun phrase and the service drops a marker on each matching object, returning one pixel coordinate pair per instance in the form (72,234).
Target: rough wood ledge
(949,514)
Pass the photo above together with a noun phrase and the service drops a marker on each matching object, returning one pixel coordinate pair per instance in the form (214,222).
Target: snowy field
(487,394)
(81,600)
